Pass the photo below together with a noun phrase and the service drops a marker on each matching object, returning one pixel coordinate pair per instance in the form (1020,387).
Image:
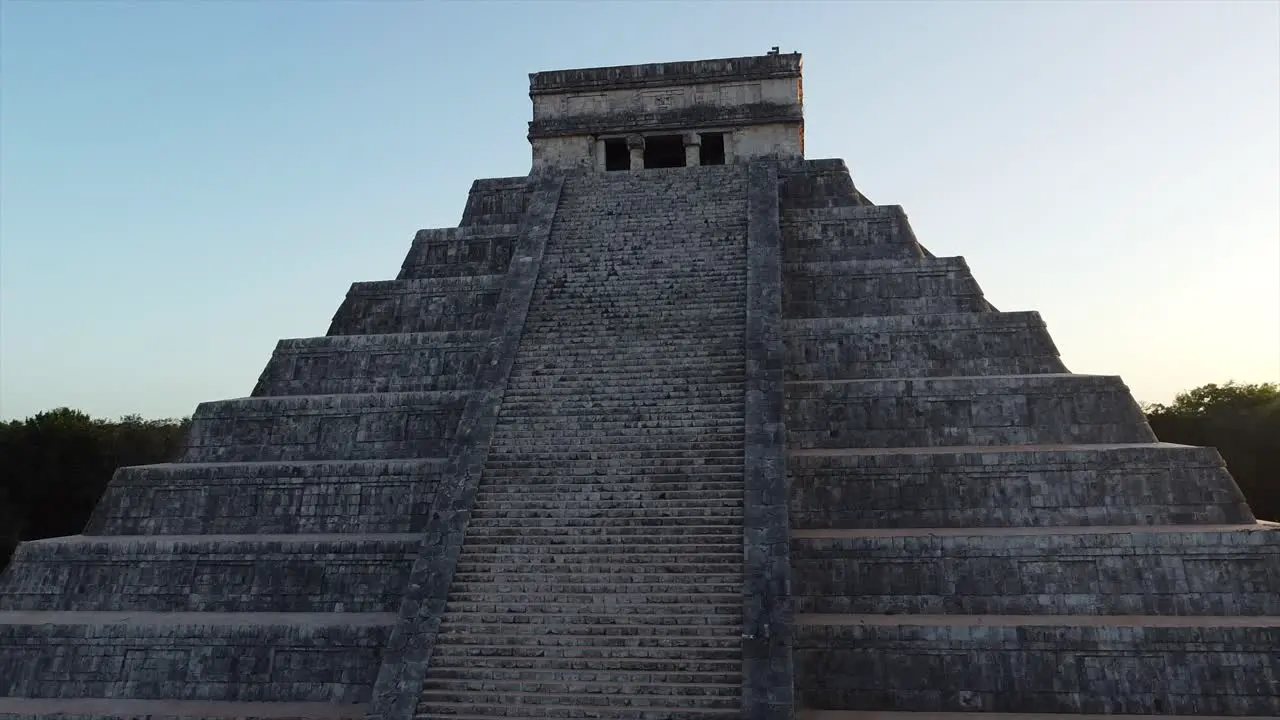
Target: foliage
(1243,422)
(55,465)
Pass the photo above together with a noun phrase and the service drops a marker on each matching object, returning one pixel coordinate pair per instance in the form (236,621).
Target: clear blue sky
(186,182)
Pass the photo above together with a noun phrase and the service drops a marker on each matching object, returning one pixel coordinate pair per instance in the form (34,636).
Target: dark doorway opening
(616,155)
(664,151)
(712,152)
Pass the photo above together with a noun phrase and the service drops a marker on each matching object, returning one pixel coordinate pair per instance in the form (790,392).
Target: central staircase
(601,575)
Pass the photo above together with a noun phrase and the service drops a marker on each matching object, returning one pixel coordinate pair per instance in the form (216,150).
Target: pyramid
(679,425)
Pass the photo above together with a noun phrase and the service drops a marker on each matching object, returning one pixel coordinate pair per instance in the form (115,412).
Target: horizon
(182,185)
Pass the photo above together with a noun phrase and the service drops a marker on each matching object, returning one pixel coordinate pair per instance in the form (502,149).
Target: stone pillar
(692,149)
(635,143)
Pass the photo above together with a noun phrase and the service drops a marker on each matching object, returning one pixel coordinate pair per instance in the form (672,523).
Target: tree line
(55,465)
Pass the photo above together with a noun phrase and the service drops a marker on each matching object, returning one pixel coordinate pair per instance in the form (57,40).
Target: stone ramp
(601,574)
(976,531)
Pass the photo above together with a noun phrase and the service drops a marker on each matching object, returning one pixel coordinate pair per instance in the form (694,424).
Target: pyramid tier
(990,410)
(319,496)
(913,346)
(211,573)
(417,306)
(1013,486)
(279,657)
(320,427)
(408,362)
(857,288)
(460,251)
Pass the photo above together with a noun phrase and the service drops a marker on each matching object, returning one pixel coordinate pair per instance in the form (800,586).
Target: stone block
(319,427)
(280,657)
(220,573)
(1125,485)
(1165,570)
(408,362)
(961,411)
(461,251)
(880,287)
(358,496)
(418,306)
(843,234)
(909,346)
(1162,666)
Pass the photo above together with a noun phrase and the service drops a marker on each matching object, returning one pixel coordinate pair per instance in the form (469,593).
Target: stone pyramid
(680,425)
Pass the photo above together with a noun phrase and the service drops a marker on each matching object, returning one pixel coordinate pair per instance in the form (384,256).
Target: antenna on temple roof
(773,50)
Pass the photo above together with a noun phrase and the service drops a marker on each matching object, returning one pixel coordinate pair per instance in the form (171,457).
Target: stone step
(1169,570)
(578,434)
(1013,486)
(413,306)
(613,464)
(727,537)
(614,602)
(604,405)
(485,708)
(571,503)
(440,676)
(509,448)
(728,610)
(611,513)
(910,346)
(991,410)
(880,287)
(320,427)
(211,573)
(691,400)
(536,380)
(587,533)
(565,523)
(643,471)
(570,704)
(586,566)
(1064,664)
(278,657)
(549,691)
(691,639)
(131,709)
(655,585)
(358,496)
(685,654)
(509,619)
(406,362)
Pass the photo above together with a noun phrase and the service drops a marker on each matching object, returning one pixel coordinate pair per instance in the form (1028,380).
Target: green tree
(1243,422)
(54,466)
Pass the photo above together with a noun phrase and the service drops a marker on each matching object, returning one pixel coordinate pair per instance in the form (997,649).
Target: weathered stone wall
(363,426)
(1040,667)
(339,496)
(496,201)
(415,306)
(1126,485)
(203,656)
(449,252)
(218,574)
(911,346)
(404,362)
(880,287)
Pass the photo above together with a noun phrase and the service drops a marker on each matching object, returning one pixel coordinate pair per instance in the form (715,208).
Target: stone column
(692,149)
(635,143)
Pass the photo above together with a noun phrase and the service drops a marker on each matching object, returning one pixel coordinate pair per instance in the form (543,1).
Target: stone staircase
(974,529)
(260,575)
(601,574)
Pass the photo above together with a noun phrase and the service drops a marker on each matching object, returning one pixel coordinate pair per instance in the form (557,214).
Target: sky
(184,183)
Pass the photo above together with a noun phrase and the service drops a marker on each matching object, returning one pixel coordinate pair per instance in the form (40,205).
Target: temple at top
(668,115)
(677,426)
